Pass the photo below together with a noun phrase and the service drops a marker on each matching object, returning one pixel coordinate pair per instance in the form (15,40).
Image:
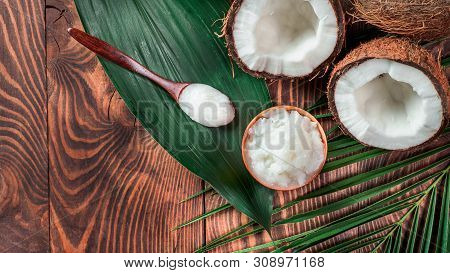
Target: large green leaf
(177,40)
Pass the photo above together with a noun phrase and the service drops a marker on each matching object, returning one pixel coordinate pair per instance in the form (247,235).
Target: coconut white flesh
(206,105)
(284,149)
(388,105)
(285,37)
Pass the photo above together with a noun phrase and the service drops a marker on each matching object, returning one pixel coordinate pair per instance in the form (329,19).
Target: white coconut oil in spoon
(206,105)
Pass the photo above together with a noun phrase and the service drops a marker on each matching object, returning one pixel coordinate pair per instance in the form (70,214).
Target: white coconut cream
(206,105)
(284,149)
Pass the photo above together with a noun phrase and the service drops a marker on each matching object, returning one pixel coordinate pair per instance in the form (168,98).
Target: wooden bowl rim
(289,109)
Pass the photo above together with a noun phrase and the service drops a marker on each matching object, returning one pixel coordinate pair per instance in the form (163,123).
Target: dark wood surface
(78,173)
(24,187)
(112,188)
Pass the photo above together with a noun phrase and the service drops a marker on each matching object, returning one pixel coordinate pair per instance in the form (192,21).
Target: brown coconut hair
(418,19)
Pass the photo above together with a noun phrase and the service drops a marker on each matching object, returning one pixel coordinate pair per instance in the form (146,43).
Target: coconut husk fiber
(424,20)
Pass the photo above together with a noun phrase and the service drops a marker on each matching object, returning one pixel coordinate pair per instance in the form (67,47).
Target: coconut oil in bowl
(284,148)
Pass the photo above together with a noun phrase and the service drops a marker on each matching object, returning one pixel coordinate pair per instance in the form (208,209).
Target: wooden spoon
(191,105)
(289,109)
(118,57)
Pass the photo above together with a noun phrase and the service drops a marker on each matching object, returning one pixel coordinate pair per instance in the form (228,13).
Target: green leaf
(388,245)
(362,196)
(364,177)
(426,239)
(413,232)
(223,239)
(336,164)
(197,194)
(397,240)
(341,142)
(344,151)
(332,130)
(270,244)
(334,206)
(328,115)
(177,40)
(353,244)
(342,226)
(203,216)
(362,244)
(376,205)
(348,224)
(442,239)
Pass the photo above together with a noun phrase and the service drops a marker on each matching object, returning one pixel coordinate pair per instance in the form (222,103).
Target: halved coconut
(389,93)
(284,38)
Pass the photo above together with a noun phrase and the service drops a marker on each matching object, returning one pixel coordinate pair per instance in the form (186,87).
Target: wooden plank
(113,189)
(23,128)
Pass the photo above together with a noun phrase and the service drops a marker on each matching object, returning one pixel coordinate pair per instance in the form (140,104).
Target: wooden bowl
(289,109)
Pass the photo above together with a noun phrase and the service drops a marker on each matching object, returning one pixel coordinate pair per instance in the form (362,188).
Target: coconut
(284,38)
(418,19)
(390,93)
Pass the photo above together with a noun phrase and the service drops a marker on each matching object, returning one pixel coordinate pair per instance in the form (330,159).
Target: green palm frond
(393,239)
(197,194)
(177,39)
(348,201)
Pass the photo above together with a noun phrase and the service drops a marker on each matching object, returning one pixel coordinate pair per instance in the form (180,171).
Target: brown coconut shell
(417,19)
(399,50)
(228,34)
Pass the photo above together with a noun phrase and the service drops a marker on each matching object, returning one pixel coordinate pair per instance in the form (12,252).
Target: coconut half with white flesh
(284,38)
(390,93)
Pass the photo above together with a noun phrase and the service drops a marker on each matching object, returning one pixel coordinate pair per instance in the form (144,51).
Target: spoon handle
(118,57)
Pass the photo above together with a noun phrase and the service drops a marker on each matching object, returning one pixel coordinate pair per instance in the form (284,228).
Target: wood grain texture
(113,189)
(72,154)
(23,128)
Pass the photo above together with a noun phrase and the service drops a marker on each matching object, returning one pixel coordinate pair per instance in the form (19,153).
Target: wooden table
(78,174)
